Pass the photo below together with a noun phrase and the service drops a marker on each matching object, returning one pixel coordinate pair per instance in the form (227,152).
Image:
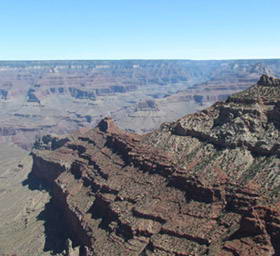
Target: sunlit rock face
(206,184)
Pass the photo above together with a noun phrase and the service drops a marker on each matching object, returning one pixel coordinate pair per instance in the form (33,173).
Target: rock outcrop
(148,105)
(80,94)
(31,97)
(207,184)
(59,97)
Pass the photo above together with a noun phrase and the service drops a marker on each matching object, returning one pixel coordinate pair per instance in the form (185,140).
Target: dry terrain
(29,225)
(206,184)
(180,185)
(58,97)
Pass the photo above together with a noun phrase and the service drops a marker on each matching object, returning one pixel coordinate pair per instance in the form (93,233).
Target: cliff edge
(207,184)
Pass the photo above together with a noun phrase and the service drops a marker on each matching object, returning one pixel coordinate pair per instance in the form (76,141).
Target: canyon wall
(206,184)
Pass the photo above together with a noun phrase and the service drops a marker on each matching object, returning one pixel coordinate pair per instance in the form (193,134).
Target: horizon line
(140,59)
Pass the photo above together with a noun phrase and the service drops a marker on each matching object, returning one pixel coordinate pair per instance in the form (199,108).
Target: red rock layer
(204,185)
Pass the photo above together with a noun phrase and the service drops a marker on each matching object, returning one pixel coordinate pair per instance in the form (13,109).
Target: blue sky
(139,29)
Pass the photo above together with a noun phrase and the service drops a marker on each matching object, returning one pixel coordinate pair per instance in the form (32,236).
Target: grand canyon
(140,157)
(59,97)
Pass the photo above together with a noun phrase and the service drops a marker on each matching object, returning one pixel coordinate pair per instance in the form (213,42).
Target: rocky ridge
(206,184)
(32,92)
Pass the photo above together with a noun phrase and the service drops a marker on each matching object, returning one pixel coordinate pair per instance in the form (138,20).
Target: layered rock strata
(207,184)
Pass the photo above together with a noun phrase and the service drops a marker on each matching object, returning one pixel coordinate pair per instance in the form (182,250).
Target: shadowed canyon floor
(20,231)
(206,184)
(30,224)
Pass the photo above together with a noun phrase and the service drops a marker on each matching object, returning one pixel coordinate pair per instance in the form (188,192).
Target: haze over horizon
(181,29)
(138,59)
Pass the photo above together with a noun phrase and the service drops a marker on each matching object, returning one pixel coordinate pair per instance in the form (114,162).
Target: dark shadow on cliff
(33,183)
(55,228)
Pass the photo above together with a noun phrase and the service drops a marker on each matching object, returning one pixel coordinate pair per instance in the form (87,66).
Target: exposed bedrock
(206,184)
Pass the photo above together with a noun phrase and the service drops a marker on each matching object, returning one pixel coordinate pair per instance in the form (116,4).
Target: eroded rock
(206,184)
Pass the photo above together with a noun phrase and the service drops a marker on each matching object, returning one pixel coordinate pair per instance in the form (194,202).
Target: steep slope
(207,184)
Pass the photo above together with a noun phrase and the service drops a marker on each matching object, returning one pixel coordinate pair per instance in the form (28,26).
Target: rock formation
(207,184)
(59,97)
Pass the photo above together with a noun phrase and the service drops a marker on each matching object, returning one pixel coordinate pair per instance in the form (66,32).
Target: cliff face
(207,184)
(84,92)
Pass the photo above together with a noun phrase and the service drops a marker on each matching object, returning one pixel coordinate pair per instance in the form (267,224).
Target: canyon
(145,180)
(206,184)
(59,97)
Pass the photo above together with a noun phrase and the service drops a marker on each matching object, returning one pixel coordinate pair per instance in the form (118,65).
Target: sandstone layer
(59,97)
(207,184)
